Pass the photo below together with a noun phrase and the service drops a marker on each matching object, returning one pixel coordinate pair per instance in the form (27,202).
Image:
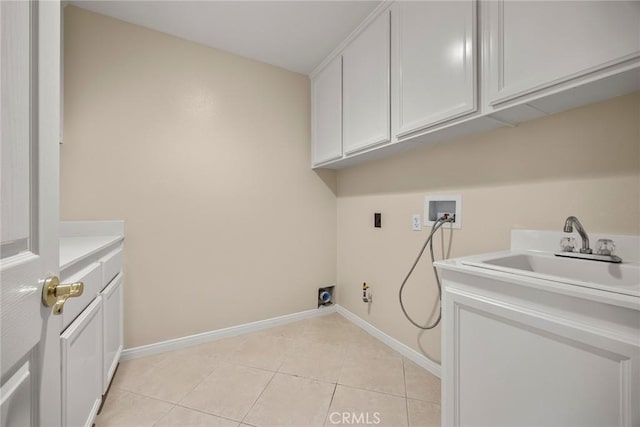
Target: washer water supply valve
(366,296)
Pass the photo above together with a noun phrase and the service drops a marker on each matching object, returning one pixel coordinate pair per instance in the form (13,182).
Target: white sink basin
(620,278)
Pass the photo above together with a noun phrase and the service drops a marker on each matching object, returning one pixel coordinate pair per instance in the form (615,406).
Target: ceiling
(296,35)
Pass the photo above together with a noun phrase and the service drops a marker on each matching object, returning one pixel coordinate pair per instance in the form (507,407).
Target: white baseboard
(401,348)
(191,340)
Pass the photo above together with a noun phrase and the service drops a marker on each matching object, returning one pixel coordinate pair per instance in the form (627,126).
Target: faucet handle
(605,247)
(567,244)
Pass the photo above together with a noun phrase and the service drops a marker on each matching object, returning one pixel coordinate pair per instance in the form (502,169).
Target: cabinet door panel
(434,63)
(366,69)
(16,401)
(540,369)
(327,113)
(82,367)
(537,44)
(113,336)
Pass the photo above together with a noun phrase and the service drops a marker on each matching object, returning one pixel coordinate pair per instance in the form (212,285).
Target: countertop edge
(102,242)
(592,294)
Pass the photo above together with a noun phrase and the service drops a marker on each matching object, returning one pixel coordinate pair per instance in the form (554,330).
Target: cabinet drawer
(111,266)
(81,353)
(91,276)
(112,327)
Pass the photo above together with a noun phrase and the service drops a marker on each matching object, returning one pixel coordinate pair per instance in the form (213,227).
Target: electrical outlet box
(416,224)
(377,220)
(437,206)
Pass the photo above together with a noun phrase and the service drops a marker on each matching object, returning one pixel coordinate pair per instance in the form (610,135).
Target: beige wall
(584,162)
(206,157)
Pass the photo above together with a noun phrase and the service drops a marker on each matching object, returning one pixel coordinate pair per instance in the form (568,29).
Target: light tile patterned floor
(317,372)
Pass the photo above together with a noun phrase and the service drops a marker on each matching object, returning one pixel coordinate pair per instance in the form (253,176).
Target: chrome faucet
(568,228)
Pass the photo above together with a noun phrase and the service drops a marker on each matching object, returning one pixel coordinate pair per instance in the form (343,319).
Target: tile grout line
(206,413)
(346,345)
(424,401)
(406,394)
(258,398)
(173,405)
(307,378)
(197,385)
(148,397)
(244,365)
(439,403)
(343,361)
(179,403)
(291,375)
(376,391)
(162,417)
(335,387)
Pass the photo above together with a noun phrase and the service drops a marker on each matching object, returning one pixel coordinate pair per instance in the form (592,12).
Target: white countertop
(74,249)
(466,265)
(545,243)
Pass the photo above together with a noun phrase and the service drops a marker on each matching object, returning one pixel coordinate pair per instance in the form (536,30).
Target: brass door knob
(56,294)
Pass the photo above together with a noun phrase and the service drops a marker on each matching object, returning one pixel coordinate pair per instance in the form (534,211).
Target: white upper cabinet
(366,97)
(421,72)
(534,45)
(326,113)
(434,63)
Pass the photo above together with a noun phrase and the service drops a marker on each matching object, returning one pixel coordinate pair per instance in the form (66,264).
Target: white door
(30,109)
(366,99)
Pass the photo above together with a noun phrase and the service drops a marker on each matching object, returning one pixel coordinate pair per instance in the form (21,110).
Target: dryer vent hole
(325,296)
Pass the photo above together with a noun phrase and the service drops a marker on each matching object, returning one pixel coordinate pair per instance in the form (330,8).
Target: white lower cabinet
(517,356)
(82,367)
(91,338)
(113,333)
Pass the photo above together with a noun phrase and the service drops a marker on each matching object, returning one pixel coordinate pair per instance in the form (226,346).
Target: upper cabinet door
(366,98)
(326,113)
(533,45)
(434,63)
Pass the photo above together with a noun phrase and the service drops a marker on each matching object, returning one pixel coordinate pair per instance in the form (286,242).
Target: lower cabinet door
(112,318)
(82,366)
(512,365)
